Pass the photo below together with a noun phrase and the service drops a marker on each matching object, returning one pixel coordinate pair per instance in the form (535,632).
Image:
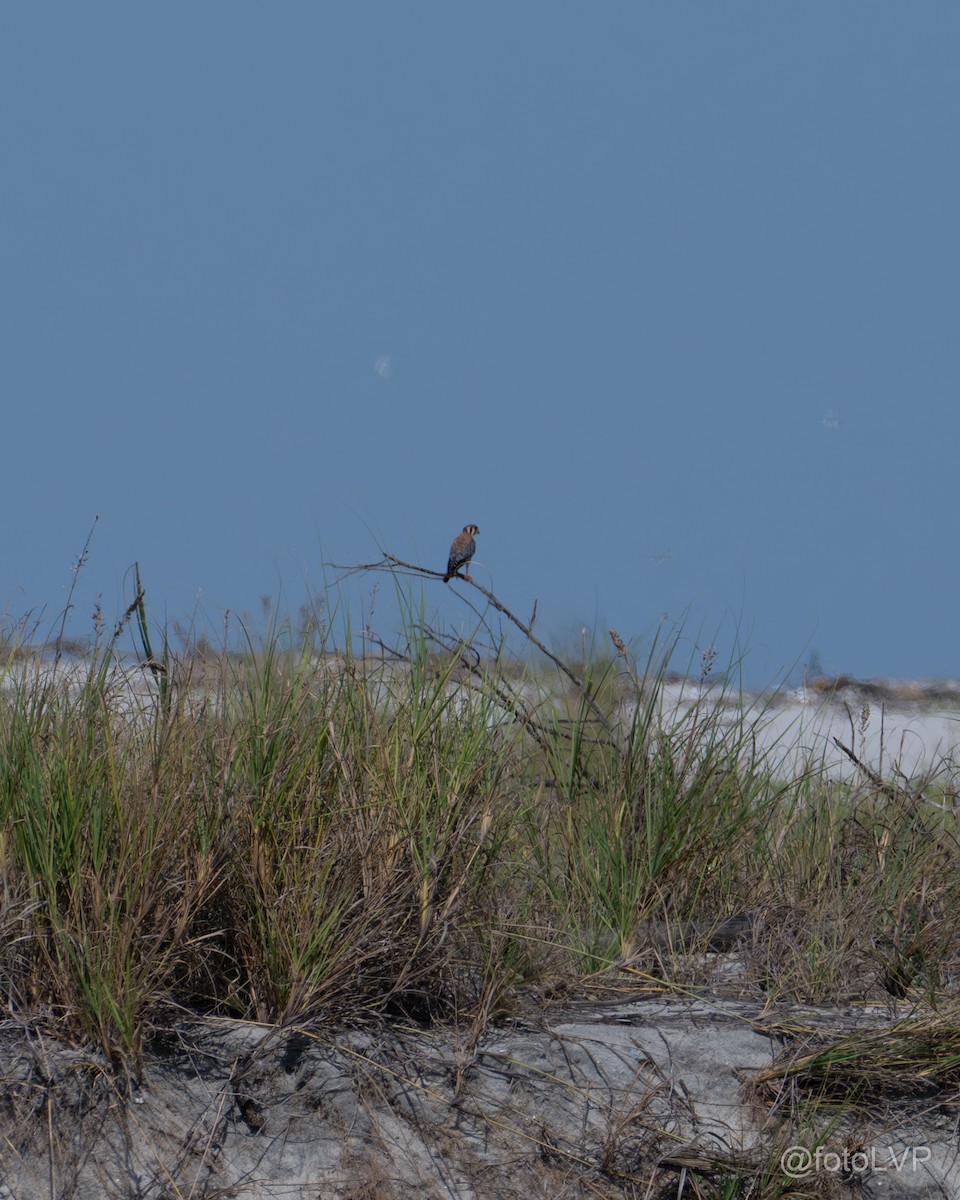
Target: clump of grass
(361,802)
(101,857)
(862,881)
(918,1057)
(649,820)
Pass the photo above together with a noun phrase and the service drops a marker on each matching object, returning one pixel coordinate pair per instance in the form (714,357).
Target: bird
(462,550)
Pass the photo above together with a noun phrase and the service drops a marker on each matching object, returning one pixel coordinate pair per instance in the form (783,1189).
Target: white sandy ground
(595,1100)
(798,730)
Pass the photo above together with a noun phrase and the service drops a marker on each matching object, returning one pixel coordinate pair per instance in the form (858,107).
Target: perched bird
(462,550)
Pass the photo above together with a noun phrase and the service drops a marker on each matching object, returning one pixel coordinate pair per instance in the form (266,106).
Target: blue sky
(661,296)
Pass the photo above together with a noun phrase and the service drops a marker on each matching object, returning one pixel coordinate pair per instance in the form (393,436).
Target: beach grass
(289,830)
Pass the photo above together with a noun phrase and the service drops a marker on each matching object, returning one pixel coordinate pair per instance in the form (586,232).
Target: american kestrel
(462,550)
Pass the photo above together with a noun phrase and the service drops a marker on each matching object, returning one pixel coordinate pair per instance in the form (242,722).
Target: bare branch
(395,565)
(494,602)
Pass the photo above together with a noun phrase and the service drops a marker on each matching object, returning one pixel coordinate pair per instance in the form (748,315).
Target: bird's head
(473,530)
